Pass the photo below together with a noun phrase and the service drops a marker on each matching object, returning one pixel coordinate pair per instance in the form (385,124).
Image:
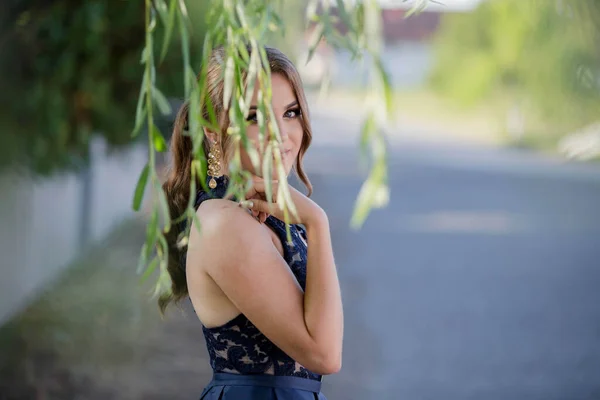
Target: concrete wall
(47,222)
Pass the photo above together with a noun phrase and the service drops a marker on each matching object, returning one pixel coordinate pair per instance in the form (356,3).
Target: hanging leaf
(315,40)
(164,207)
(251,77)
(162,9)
(140,110)
(311,12)
(373,193)
(418,7)
(149,270)
(267,171)
(140,188)
(169,26)
(368,129)
(228,82)
(157,139)
(185,50)
(152,231)
(161,101)
(142,259)
(386,86)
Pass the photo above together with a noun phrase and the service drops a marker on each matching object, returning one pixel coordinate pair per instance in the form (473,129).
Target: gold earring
(214,165)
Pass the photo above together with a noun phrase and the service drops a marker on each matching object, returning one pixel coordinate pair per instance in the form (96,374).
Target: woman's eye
(293,113)
(252,117)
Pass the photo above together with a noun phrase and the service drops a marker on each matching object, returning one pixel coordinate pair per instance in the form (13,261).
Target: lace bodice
(238,346)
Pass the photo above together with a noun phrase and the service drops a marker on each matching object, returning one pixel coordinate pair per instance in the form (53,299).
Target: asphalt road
(480,280)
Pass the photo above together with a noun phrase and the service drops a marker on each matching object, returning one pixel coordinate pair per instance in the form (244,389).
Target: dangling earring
(214,165)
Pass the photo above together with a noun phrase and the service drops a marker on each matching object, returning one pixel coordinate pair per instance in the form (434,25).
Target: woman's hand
(308,211)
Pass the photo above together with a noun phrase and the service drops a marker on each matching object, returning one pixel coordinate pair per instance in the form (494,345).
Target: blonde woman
(271,311)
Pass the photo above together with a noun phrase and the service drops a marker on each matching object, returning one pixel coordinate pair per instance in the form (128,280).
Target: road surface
(480,280)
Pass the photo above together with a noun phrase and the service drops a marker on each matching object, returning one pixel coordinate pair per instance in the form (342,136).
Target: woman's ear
(210,135)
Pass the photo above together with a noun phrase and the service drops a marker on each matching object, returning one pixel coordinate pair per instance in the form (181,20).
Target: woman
(271,311)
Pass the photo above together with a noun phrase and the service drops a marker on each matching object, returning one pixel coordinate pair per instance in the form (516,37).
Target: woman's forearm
(323,312)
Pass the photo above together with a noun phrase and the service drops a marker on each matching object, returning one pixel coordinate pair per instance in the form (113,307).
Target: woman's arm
(322,298)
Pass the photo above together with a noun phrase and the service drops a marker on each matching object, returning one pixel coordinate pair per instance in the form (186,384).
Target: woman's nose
(282,129)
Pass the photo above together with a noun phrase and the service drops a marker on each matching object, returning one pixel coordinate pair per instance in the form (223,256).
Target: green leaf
(157,139)
(164,259)
(267,171)
(373,193)
(142,259)
(185,49)
(161,101)
(184,14)
(161,7)
(228,83)
(169,25)
(317,35)
(207,49)
(193,184)
(241,15)
(346,19)
(277,25)
(243,53)
(387,86)
(149,244)
(152,24)
(212,115)
(140,110)
(251,76)
(419,6)
(139,123)
(369,127)
(164,207)
(201,166)
(149,270)
(140,188)
(265,64)
(311,12)
(144,56)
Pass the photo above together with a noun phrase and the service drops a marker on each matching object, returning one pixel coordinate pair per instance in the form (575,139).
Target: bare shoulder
(219,215)
(225,226)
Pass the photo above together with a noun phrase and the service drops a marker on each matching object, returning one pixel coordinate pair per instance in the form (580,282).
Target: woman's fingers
(260,206)
(262,217)
(259,187)
(256,197)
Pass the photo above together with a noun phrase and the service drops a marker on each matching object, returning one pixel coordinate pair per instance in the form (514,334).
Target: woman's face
(287,115)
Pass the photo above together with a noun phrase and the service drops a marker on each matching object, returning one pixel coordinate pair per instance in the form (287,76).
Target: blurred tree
(535,55)
(70,69)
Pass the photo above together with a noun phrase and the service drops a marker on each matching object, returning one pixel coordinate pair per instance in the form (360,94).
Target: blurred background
(478,281)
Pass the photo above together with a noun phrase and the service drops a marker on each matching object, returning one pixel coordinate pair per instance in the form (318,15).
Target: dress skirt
(225,386)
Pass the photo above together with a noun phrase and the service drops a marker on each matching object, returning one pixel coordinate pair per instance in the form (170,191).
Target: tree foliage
(70,69)
(541,55)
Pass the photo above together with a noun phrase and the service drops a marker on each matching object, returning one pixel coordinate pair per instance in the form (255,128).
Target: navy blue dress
(245,363)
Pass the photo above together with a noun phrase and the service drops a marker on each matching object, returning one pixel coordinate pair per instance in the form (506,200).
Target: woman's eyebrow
(292,104)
